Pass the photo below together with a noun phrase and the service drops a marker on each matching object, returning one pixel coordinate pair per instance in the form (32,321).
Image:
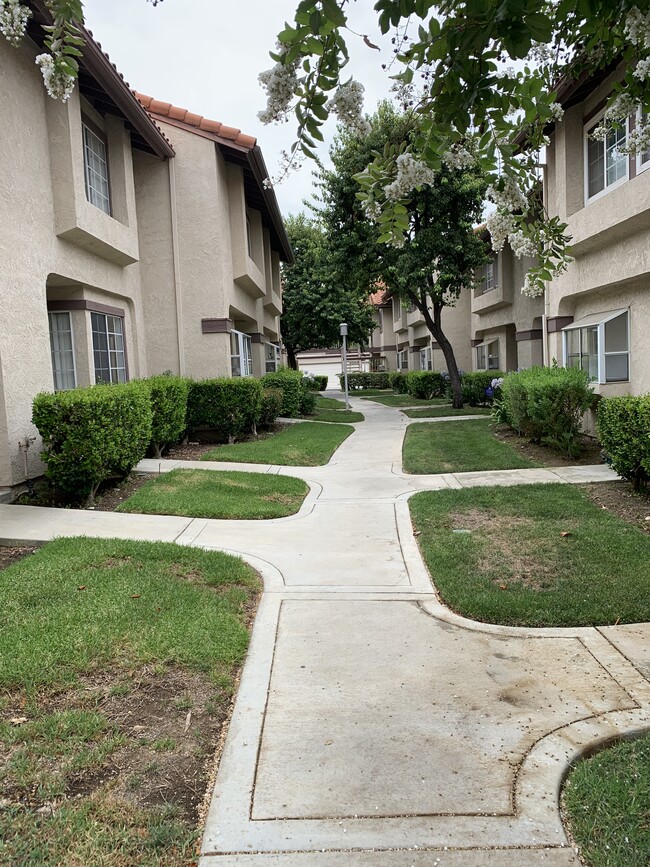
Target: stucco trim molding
(389,347)
(476,342)
(216,326)
(557,323)
(82,304)
(533,334)
(256,337)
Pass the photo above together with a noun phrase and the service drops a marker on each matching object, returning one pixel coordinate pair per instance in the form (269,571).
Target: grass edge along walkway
(304,444)
(442,411)
(532,555)
(226,494)
(458,447)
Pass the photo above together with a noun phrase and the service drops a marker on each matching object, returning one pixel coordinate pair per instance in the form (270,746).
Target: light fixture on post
(343,330)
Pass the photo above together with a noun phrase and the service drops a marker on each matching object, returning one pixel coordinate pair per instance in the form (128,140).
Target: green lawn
(370,392)
(329,403)
(440,411)
(218,494)
(306,444)
(606,802)
(338,416)
(85,623)
(457,447)
(533,555)
(404,400)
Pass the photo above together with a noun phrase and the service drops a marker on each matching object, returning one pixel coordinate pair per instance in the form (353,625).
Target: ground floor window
(600,345)
(108,348)
(241,354)
(62,349)
(487,356)
(271,357)
(403,360)
(426,359)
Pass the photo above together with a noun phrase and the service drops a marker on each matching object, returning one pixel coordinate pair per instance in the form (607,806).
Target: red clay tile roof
(182,115)
(380,297)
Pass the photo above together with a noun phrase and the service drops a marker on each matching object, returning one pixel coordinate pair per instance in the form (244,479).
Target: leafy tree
(438,249)
(452,63)
(314,303)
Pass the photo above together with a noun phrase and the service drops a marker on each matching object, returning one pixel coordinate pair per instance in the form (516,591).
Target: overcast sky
(205,56)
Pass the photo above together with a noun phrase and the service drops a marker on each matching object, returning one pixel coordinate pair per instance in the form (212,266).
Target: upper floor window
(108,348)
(96,170)
(600,345)
(488,276)
(241,354)
(606,166)
(642,157)
(62,348)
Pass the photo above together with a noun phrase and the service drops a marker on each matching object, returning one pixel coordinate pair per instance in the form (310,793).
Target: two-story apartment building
(598,312)
(126,250)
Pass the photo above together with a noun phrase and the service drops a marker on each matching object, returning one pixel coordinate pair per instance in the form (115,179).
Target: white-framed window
(600,345)
(62,348)
(271,357)
(605,166)
(487,356)
(488,276)
(241,354)
(397,309)
(426,359)
(96,170)
(403,360)
(108,347)
(643,157)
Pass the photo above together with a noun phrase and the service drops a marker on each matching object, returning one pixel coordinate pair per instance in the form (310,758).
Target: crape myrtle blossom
(411,173)
(521,245)
(637,27)
(58,83)
(458,157)
(13,20)
(280,83)
(347,105)
(500,226)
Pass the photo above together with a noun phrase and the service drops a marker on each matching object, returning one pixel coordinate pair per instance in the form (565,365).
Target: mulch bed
(621,500)
(13,555)
(591,453)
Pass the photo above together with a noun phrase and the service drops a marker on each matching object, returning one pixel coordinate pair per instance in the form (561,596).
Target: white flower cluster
(267,183)
(533,286)
(637,27)
(638,141)
(411,173)
(347,105)
(642,70)
(372,210)
(541,53)
(280,84)
(618,112)
(458,157)
(557,112)
(510,198)
(13,20)
(58,84)
(500,226)
(497,382)
(521,245)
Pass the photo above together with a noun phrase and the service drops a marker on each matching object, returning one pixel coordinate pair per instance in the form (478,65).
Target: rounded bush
(623,425)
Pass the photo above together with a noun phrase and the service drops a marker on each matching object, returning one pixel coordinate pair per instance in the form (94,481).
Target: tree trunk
(435,327)
(291,357)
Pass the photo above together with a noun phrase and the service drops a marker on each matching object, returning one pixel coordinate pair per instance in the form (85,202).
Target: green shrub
(547,405)
(360,380)
(398,381)
(477,387)
(307,402)
(92,434)
(290,381)
(270,406)
(315,382)
(425,384)
(623,425)
(230,407)
(169,409)
(321,382)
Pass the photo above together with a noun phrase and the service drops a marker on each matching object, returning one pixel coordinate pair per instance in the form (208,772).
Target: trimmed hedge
(315,382)
(270,406)
(169,408)
(477,387)
(229,406)
(307,402)
(92,434)
(360,380)
(291,383)
(398,381)
(547,405)
(425,384)
(623,425)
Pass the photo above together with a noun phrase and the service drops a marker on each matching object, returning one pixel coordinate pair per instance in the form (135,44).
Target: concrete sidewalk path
(372,725)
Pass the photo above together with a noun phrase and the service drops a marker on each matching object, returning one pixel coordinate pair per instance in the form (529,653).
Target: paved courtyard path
(372,725)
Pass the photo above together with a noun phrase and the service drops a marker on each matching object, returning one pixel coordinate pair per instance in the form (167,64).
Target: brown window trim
(101,135)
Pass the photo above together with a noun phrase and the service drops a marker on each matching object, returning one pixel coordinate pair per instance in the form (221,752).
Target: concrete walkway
(372,725)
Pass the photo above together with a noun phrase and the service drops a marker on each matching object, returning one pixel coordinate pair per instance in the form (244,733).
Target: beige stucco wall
(48,228)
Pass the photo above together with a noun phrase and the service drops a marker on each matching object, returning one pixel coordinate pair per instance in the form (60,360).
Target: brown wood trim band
(256,337)
(557,323)
(80,304)
(533,334)
(216,326)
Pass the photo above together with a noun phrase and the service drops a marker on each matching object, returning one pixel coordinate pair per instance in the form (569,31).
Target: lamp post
(343,330)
